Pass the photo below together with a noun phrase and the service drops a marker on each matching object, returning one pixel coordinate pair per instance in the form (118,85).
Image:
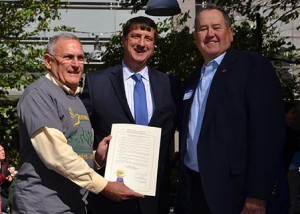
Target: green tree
(175,52)
(20,59)
(260,31)
(257,30)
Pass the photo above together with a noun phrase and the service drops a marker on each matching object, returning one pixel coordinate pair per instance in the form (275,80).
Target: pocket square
(188,94)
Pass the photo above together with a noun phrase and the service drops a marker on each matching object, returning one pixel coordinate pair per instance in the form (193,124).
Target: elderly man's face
(212,36)
(67,62)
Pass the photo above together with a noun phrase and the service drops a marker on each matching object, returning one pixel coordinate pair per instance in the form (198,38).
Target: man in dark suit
(232,128)
(108,97)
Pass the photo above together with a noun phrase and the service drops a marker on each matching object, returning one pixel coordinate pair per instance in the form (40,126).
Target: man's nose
(210,32)
(141,42)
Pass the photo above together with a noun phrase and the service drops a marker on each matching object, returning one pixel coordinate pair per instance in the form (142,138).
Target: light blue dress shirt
(197,112)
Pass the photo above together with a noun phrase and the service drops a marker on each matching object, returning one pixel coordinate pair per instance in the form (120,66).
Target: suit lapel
(156,90)
(190,88)
(118,85)
(217,88)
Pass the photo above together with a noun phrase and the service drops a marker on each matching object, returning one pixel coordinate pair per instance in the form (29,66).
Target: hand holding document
(133,157)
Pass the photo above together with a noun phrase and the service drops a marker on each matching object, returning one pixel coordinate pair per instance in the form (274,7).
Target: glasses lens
(71,58)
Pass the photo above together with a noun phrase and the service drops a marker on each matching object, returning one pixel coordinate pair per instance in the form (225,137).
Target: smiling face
(138,47)
(212,35)
(66,63)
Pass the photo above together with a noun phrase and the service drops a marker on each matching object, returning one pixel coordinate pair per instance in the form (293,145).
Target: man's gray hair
(53,40)
(214,7)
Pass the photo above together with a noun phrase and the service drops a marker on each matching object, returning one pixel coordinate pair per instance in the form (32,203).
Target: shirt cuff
(98,183)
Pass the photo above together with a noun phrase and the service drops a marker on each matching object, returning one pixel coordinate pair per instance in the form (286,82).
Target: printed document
(133,156)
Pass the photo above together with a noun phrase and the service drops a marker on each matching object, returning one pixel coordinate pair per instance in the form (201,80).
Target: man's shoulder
(40,91)
(158,73)
(247,59)
(105,71)
(40,85)
(244,54)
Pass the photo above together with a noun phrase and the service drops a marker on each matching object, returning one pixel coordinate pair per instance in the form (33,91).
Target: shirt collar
(53,79)
(127,72)
(218,59)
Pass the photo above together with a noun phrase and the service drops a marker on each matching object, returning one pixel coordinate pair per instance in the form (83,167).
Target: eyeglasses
(70,58)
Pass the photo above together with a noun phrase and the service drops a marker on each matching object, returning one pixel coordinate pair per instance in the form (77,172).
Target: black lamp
(162,8)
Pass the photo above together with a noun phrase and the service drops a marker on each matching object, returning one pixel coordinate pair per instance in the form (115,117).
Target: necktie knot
(137,77)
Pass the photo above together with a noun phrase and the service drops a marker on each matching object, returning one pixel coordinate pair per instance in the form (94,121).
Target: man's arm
(52,148)
(266,134)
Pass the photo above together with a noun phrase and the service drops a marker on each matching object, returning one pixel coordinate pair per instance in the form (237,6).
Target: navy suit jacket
(105,100)
(242,135)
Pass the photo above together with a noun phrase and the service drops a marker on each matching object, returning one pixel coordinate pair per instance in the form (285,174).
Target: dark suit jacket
(105,100)
(242,133)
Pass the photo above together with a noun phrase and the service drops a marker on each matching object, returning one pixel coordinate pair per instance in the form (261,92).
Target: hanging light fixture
(162,8)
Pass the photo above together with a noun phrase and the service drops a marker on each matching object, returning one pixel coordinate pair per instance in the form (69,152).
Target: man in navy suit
(108,97)
(232,127)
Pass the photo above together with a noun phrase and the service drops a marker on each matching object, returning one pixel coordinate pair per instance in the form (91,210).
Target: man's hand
(254,206)
(9,178)
(117,191)
(101,152)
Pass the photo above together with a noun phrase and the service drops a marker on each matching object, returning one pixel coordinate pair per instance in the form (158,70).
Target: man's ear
(232,33)
(123,40)
(48,60)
